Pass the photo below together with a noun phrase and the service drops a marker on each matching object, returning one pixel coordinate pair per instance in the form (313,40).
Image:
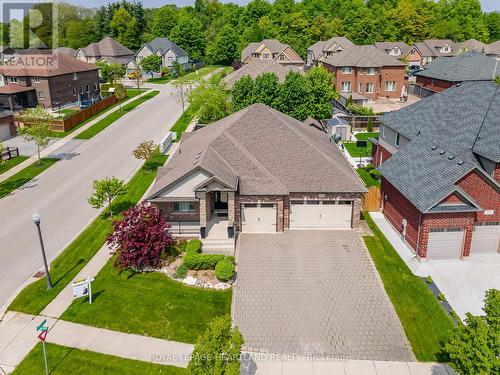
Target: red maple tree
(140,238)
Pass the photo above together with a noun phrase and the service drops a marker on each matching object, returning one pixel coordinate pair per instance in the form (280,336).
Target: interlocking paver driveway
(314,292)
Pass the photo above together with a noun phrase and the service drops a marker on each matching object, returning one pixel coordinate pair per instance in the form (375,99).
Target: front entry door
(220,200)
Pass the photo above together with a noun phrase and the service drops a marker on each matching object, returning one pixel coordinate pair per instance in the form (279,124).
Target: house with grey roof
(325,48)
(168,50)
(395,49)
(440,165)
(365,73)
(257,67)
(107,49)
(273,50)
(473,45)
(445,72)
(257,170)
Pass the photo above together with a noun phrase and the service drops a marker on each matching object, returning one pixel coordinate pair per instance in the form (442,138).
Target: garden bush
(369,167)
(181,271)
(193,246)
(375,174)
(196,261)
(224,270)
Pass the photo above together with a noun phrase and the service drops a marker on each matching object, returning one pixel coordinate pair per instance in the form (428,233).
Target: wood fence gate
(371,201)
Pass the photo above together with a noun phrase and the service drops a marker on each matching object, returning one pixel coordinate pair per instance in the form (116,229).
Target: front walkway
(463,282)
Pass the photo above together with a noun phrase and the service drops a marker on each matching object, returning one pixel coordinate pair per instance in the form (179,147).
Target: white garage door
(445,243)
(485,239)
(258,217)
(4,132)
(320,214)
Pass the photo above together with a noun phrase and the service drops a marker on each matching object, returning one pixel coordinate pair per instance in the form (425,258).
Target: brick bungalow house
(47,79)
(272,50)
(440,165)
(257,170)
(107,49)
(444,72)
(366,72)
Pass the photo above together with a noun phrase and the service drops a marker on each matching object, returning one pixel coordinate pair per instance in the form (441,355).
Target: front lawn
(69,361)
(425,322)
(11,163)
(149,304)
(35,297)
(183,122)
(202,72)
(160,80)
(24,175)
(367,178)
(108,120)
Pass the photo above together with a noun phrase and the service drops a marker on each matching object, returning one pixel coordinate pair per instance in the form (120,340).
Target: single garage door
(485,238)
(320,214)
(258,217)
(445,243)
(4,132)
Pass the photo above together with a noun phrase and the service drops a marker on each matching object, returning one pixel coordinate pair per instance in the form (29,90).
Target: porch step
(218,246)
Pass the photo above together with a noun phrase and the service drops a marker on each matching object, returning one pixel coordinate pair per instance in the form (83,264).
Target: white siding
(184,188)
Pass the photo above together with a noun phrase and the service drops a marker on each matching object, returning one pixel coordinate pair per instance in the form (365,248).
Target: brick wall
(392,73)
(379,155)
(496,175)
(434,84)
(166,209)
(396,208)
(484,194)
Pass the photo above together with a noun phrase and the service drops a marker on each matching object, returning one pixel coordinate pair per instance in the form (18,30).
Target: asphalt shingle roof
(446,131)
(466,67)
(262,151)
(274,45)
(363,57)
(163,45)
(107,47)
(257,67)
(319,48)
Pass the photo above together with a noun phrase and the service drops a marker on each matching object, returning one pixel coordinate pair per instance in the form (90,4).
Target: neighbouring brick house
(365,73)
(473,45)
(257,170)
(440,165)
(420,54)
(444,72)
(395,49)
(48,79)
(325,48)
(271,50)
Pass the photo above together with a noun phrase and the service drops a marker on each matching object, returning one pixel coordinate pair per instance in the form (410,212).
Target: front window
(37,79)
(266,56)
(184,207)
(390,86)
(346,87)
(255,55)
(13,79)
(370,71)
(360,88)
(170,59)
(346,70)
(369,88)
(40,95)
(282,58)
(412,52)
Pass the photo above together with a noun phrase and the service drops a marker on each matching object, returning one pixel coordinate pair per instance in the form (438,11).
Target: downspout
(418,232)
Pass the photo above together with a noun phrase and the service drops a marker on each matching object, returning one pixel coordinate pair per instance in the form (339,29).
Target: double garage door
(320,214)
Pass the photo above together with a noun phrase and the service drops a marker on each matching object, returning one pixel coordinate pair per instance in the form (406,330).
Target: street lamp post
(36,220)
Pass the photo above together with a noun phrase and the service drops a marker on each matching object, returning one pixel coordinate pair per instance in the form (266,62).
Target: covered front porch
(15,97)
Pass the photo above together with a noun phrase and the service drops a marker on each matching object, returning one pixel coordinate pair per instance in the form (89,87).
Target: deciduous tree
(224,49)
(188,34)
(36,128)
(210,100)
(322,93)
(140,238)
(242,93)
(105,191)
(151,64)
(145,151)
(294,97)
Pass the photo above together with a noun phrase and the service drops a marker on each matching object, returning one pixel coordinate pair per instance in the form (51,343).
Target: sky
(487,5)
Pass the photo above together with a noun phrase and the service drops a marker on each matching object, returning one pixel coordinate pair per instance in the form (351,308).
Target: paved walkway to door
(314,292)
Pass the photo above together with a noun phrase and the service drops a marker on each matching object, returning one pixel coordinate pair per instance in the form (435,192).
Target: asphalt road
(60,193)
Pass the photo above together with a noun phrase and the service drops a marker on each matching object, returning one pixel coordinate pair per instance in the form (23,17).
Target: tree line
(217,32)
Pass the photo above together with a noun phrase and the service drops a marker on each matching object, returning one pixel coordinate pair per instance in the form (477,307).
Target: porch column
(203,209)
(230,214)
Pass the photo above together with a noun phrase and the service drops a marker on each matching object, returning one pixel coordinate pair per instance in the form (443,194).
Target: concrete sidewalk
(59,143)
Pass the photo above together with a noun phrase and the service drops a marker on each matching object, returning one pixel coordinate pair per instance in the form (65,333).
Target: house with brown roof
(51,80)
(257,67)
(271,49)
(395,49)
(257,170)
(473,45)
(108,50)
(365,73)
(326,48)
(420,54)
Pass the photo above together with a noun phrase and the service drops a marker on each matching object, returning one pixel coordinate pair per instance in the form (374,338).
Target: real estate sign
(82,288)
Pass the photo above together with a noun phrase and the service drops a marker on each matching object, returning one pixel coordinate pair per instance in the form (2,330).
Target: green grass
(202,72)
(425,322)
(363,136)
(149,304)
(24,175)
(183,122)
(11,163)
(66,112)
(160,80)
(367,178)
(112,117)
(358,151)
(34,298)
(63,360)
(131,93)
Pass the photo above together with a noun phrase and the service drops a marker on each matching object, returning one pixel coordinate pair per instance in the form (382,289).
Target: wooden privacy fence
(371,200)
(67,123)
(361,122)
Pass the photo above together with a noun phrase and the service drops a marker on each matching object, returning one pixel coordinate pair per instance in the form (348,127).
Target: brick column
(203,209)
(230,207)
(467,241)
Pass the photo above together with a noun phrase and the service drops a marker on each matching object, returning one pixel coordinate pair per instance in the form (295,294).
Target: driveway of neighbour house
(314,292)
(463,282)
(25,148)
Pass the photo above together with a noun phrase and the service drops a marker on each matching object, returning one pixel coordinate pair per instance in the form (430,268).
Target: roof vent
(194,162)
(460,162)
(451,157)
(441,152)
(434,147)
